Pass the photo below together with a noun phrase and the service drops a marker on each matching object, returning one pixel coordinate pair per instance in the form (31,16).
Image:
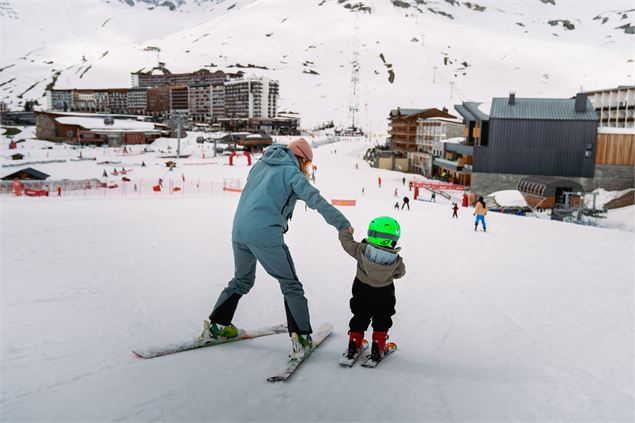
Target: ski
(349,362)
(292,365)
(191,344)
(370,363)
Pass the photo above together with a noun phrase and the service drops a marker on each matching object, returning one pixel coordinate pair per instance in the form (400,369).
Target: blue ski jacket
(273,186)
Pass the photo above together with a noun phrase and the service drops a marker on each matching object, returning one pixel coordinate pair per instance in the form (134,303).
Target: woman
(480,212)
(266,204)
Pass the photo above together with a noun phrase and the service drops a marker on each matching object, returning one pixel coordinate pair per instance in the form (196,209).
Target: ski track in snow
(530,321)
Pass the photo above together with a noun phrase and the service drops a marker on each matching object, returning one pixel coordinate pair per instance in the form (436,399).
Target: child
(378,263)
(455,210)
(397,205)
(480,212)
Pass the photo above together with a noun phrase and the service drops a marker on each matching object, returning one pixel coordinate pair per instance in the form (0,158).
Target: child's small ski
(345,361)
(372,362)
(194,343)
(292,365)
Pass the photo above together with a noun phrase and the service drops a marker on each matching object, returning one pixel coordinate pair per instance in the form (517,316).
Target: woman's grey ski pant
(276,260)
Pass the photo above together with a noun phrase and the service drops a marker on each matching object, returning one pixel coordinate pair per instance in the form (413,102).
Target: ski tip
(275,379)
(136,354)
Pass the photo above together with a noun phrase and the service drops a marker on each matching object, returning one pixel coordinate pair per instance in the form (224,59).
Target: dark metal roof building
(540,109)
(27,173)
(532,136)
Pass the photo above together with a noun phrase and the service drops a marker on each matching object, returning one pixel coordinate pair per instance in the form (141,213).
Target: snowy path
(531,321)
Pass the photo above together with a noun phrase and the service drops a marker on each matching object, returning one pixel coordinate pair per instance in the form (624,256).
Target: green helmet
(384,231)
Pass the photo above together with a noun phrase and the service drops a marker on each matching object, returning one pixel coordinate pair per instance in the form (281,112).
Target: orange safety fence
(343,202)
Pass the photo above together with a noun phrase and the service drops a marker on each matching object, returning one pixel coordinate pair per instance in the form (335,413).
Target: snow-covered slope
(531,321)
(412,53)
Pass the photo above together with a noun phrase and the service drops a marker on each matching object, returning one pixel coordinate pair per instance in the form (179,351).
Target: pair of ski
(291,366)
(369,361)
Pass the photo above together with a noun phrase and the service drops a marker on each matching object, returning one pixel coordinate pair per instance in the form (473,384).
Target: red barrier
(36,192)
(438,185)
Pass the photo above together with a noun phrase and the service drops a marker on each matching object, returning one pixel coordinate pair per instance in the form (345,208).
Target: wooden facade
(615,149)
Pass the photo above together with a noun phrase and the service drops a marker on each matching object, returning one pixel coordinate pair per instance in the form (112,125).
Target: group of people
(274,184)
(266,204)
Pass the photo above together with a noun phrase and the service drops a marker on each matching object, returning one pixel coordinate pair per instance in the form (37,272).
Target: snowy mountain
(411,53)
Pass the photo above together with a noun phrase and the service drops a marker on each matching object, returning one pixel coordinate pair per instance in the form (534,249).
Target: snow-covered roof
(456,140)
(98,123)
(485,107)
(509,198)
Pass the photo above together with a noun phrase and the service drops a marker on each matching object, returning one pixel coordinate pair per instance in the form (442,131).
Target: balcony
(462,149)
(446,164)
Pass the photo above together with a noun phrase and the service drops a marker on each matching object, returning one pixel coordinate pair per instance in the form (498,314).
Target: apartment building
(164,78)
(179,98)
(251,98)
(200,102)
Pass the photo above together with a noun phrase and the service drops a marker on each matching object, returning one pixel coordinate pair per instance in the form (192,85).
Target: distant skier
(396,205)
(480,212)
(378,264)
(403,181)
(396,193)
(406,203)
(379,181)
(356,166)
(455,211)
(433,198)
(105,174)
(363,190)
(266,204)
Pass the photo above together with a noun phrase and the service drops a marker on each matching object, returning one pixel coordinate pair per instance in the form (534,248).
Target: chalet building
(26,174)
(402,127)
(615,107)
(513,138)
(96,129)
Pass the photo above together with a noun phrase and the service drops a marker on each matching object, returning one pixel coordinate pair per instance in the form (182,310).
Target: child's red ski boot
(378,349)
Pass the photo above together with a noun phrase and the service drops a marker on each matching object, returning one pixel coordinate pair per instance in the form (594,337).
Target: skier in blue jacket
(265,207)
